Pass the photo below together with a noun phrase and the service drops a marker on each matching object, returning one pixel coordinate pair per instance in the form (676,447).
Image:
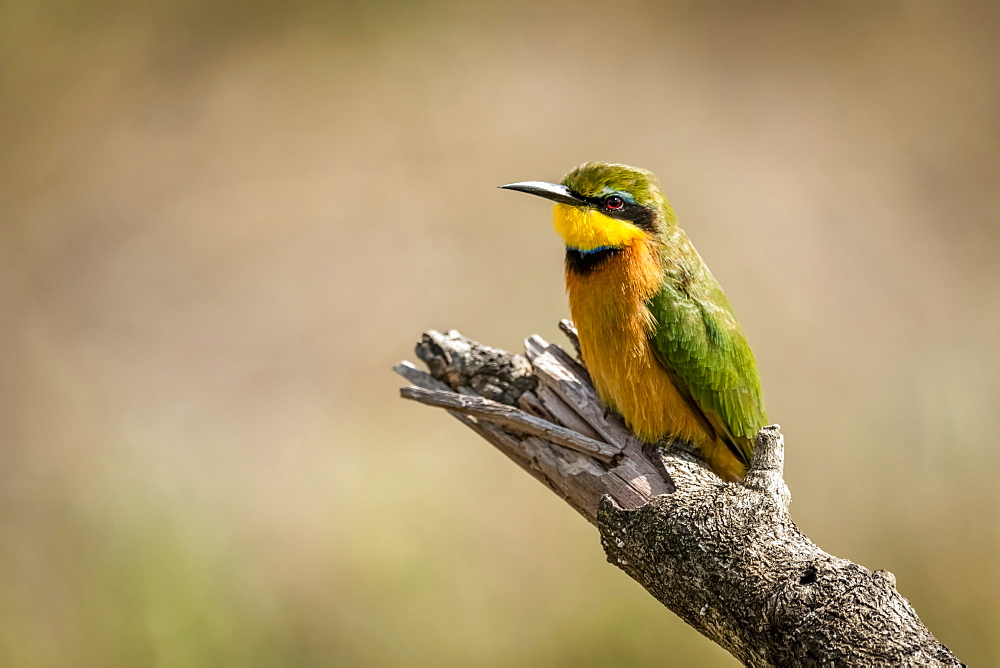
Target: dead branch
(726,558)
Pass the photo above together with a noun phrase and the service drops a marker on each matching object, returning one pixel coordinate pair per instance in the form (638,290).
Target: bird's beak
(552,191)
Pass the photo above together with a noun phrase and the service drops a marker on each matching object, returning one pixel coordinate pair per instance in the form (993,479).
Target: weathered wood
(569,329)
(493,411)
(570,381)
(461,362)
(419,378)
(725,557)
(532,405)
(563,413)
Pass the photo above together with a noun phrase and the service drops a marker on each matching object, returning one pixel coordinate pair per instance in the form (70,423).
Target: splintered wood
(508,416)
(559,432)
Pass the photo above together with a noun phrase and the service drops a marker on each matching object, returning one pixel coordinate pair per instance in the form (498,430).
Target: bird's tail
(722,460)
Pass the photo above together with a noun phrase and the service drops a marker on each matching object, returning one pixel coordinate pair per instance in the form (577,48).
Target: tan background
(223,222)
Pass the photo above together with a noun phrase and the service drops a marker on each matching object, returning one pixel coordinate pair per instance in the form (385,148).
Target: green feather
(700,343)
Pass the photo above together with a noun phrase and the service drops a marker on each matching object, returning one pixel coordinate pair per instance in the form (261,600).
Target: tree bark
(725,557)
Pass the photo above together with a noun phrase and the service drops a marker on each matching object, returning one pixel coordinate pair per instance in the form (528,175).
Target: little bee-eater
(656,331)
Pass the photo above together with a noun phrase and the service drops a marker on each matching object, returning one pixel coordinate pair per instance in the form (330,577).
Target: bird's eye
(614,202)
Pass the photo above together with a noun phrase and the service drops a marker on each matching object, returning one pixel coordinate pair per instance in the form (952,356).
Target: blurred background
(222,222)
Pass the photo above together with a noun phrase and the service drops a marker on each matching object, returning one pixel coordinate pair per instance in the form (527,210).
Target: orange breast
(609,309)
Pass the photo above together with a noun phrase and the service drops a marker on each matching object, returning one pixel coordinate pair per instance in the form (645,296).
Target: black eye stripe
(636,214)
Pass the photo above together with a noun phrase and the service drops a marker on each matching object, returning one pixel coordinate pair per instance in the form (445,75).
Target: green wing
(707,356)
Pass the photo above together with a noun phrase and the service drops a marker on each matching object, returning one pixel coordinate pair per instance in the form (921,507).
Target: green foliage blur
(221,223)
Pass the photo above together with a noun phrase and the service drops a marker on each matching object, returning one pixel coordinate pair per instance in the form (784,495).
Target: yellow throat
(587,229)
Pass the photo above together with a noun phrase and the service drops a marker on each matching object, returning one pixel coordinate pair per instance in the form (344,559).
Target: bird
(657,334)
